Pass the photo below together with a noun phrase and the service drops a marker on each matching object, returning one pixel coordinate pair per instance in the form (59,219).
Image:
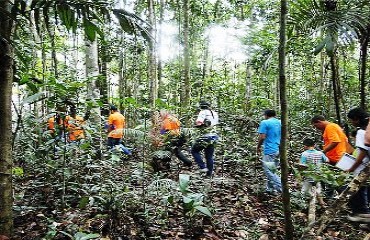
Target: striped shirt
(312,156)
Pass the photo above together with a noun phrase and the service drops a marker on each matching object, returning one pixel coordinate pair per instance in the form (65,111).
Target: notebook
(347,161)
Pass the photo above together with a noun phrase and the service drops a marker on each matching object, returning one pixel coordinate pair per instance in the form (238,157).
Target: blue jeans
(117,141)
(209,149)
(270,164)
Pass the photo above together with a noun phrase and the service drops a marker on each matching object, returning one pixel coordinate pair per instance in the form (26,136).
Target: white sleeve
(360,140)
(201,116)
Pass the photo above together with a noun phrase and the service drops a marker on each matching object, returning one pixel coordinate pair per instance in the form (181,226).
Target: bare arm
(367,135)
(261,138)
(330,147)
(360,157)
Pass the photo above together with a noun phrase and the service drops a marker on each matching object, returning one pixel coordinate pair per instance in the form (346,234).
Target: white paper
(347,161)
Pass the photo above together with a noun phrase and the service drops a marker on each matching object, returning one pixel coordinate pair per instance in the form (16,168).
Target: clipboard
(347,161)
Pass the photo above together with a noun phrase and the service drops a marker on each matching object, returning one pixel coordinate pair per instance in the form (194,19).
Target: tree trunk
(152,74)
(363,57)
(248,88)
(123,90)
(102,81)
(284,120)
(185,96)
(161,91)
(336,87)
(6,79)
(92,73)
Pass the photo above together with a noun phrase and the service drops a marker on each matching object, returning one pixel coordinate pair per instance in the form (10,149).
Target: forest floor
(117,199)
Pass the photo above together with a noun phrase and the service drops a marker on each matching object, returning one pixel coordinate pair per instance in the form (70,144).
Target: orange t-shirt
(51,126)
(172,125)
(117,120)
(334,133)
(75,128)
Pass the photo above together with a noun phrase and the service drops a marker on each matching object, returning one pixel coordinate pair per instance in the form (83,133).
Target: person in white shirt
(359,203)
(207,137)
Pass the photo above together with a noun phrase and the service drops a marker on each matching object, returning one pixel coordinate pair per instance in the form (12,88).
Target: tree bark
(6,79)
(102,81)
(185,96)
(284,120)
(161,91)
(364,41)
(152,74)
(336,87)
(92,73)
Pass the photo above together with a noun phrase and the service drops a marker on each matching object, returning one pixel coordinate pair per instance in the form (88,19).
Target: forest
(301,58)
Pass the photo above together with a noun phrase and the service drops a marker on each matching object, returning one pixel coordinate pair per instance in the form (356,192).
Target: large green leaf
(204,210)
(33,98)
(330,46)
(132,24)
(184,181)
(319,47)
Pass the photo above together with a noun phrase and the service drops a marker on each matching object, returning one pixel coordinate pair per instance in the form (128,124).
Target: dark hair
(308,142)
(359,114)
(112,107)
(318,118)
(204,104)
(72,110)
(269,113)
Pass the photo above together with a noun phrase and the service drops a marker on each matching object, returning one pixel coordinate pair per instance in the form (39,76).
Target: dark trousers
(113,142)
(178,153)
(209,150)
(359,203)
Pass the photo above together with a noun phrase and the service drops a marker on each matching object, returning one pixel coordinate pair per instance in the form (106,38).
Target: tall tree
(364,44)
(185,86)
(335,20)
(92,74)
(152,69)
(284,120)
(6,79)
(67,13)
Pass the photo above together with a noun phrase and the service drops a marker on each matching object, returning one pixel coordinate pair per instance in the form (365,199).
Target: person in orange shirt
(53,123)
(335,140)
(170,129)
(116,124)
(74,126)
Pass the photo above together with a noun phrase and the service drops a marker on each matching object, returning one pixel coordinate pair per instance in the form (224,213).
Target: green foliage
(192,202)
(17,171)
(326,174)
(81,236)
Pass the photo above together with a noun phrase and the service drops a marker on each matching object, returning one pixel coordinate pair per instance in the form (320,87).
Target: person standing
(359,202)
(312,158)
(173,139)
(116,124)
(207,137)
(75,126)
(335,140)
(269,136)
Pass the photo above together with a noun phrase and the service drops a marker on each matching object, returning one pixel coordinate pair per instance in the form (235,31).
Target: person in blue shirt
(269,136)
